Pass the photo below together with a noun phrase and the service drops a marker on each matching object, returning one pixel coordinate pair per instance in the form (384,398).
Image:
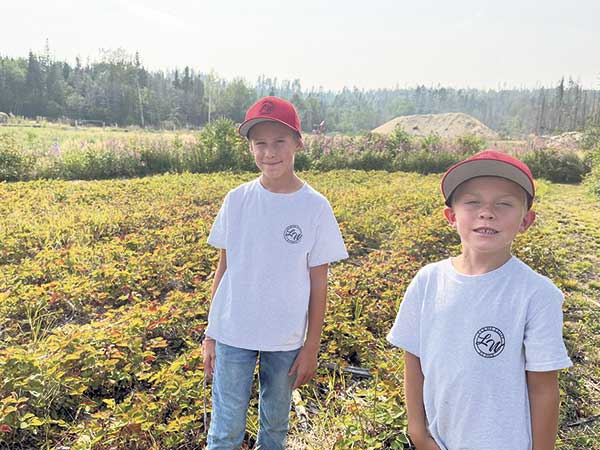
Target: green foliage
(400,139)
(224,148)
(425,161)
(371,160)
(469,144)
(100,155)
(104,294)
(15,164)
(592,179)
(302,161)
(591,138)
(119,89)
(398,152)
(97,162)
(556,166)
(67,154)
(431,143)
(375,414)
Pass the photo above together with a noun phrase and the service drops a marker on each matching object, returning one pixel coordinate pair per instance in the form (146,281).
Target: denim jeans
(232,386)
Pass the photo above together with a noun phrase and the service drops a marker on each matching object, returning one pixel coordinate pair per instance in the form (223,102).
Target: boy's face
(273,146)
(488,212)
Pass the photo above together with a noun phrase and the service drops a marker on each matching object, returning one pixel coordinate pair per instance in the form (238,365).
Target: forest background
(116,89)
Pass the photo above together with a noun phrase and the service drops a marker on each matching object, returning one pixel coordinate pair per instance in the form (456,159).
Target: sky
(367,44)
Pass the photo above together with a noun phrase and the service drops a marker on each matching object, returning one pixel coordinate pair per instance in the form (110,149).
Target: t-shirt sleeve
(218,233)
(328,245)
(544,346)
(407,327)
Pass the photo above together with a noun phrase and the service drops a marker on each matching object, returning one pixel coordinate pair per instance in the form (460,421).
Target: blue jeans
(232,386)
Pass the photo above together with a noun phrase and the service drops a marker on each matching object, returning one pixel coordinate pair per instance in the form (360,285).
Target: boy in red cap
(482,332)
(276,236)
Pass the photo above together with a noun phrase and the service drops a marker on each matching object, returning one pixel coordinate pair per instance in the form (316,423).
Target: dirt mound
(447,126)
(566,141)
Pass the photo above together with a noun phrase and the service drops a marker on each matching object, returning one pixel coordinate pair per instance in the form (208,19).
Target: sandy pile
(570,140)
(447,126)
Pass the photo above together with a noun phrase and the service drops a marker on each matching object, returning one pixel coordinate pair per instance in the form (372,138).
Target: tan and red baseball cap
(489,163)
(271,109)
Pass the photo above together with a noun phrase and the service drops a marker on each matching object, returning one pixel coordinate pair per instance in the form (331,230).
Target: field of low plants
(104,293)
(61,152)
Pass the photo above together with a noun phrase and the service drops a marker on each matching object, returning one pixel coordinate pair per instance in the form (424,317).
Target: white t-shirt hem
(406,347)
(257,347)
(330,260)
(216,243)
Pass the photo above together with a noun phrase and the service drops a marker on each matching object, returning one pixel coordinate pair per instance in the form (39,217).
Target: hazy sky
(368,44)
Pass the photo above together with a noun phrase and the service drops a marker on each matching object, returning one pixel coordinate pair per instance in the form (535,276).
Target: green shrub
(555,166)
(302,161)
(96,161)
(400,139)
(218,147)
(593,181)
(591,138)
(330,161)
(224,148)
(593,178)
(470,144)
(431,142)
(156,161)
(370,160)
(14,164)
(425,162)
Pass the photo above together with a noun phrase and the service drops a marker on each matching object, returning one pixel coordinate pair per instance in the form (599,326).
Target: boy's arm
(413,391)
(544,400)
(208,345)
(221,268)
(305,364)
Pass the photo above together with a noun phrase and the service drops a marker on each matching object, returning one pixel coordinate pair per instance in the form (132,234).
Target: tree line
(118,89)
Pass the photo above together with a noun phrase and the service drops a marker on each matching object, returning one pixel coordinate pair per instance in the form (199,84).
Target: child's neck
(477,264)
(285,185)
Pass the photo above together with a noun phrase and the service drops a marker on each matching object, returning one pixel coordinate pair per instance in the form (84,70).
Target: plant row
(88,155)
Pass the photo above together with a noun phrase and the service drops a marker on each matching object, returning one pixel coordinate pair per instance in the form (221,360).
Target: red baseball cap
(271,109)
(489,163)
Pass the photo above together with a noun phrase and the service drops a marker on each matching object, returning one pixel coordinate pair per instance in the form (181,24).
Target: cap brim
(244,128)
(482,168)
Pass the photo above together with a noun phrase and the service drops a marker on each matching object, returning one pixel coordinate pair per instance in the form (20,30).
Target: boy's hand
(208,356)
(304,366)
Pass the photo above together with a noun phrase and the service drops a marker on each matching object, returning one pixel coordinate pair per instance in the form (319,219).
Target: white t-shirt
(475,337)
(272,241)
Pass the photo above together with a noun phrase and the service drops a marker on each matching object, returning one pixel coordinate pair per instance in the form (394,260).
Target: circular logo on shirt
(293,234)
(489,342)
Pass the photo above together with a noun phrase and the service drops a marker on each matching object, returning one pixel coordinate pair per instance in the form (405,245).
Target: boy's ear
(450,216)
(527,221)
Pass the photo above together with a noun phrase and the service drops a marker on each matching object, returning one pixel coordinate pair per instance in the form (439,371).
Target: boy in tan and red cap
(482,332)
(276,236)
